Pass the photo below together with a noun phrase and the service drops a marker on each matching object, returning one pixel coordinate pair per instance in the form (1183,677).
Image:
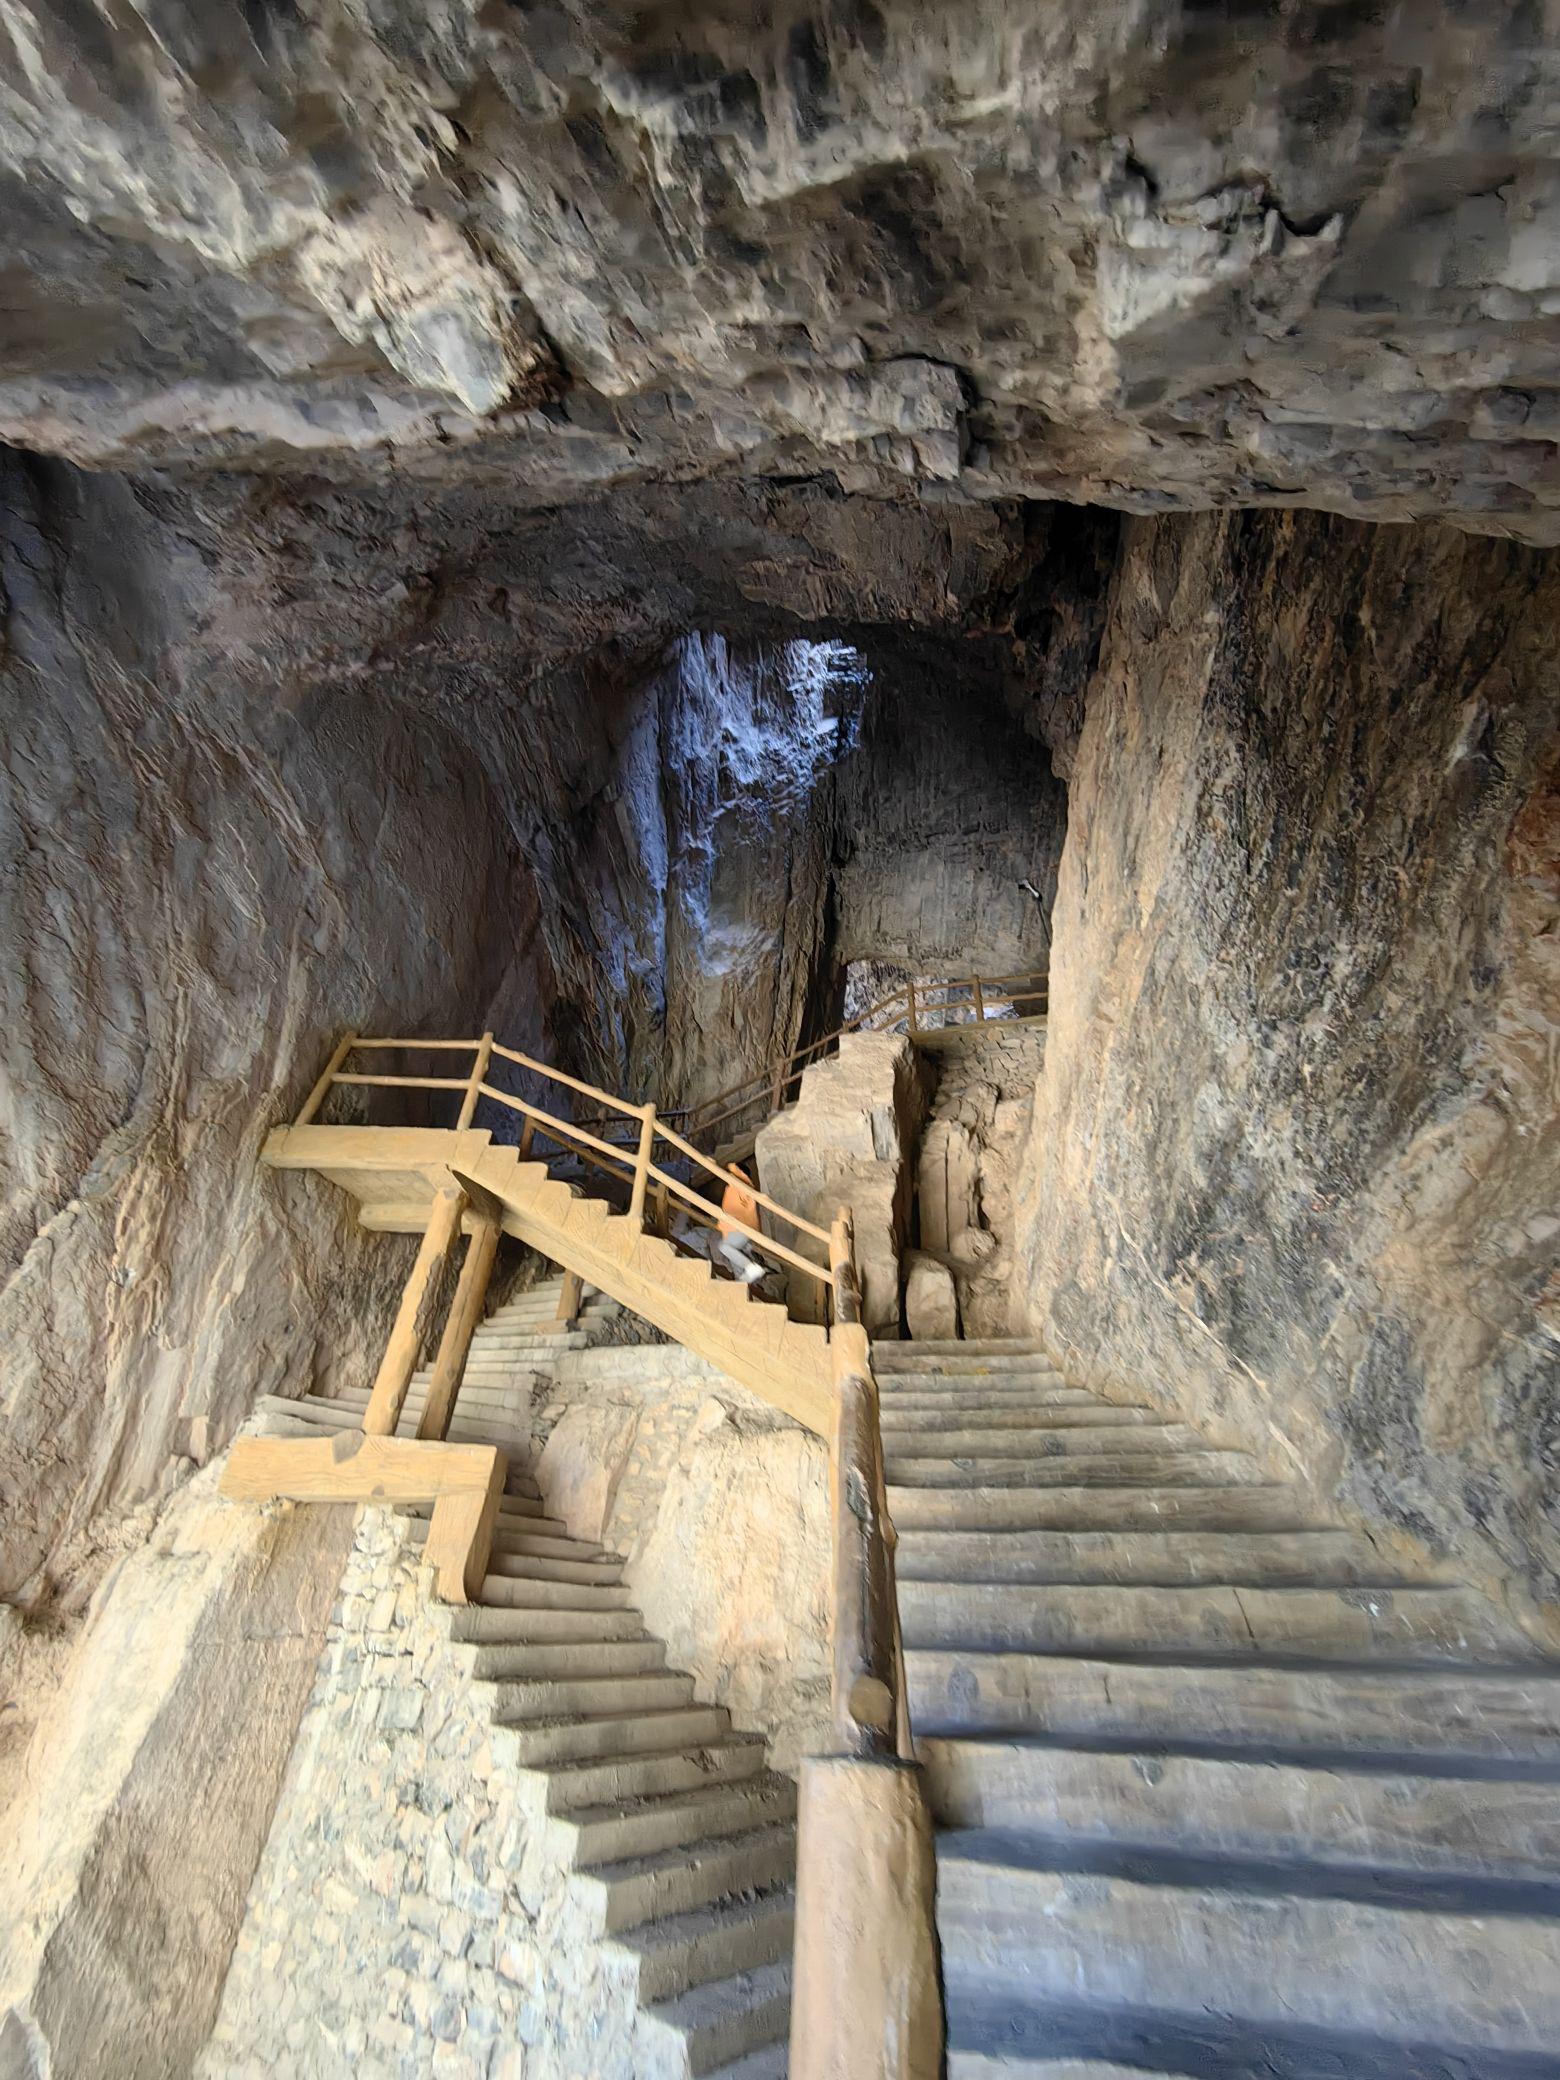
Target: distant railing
(654,1186)
(920,1007)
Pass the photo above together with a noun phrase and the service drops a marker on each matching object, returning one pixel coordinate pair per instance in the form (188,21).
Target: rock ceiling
(1128,252)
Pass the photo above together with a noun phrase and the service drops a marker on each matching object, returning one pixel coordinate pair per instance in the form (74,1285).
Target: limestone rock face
(1143,255)
(1296,1142)
(847,1141)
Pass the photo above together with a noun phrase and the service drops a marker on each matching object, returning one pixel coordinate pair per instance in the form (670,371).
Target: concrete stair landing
(1222,1790)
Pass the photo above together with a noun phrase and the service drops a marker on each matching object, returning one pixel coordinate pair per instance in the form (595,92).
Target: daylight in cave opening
(780,1088)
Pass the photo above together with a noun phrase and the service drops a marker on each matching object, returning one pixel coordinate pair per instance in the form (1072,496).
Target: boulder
(582,1463)
(931,1304)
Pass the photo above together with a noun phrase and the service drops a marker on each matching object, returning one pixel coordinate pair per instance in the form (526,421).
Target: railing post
(636,1204)
(910,995)
(980,1001)
(527,1136)
(866,2001)
(405,1343)
(321,1090)
(465,1313)
(569,1296)
(468,1104)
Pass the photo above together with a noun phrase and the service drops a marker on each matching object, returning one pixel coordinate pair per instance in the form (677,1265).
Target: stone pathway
(1222,1790)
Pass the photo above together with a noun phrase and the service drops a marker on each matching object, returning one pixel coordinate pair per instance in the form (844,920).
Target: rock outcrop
(1297,1136)
(1145,256)
(974,1148)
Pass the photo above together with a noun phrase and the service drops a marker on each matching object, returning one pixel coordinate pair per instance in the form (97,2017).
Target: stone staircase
(1224,1790)
(680,1840)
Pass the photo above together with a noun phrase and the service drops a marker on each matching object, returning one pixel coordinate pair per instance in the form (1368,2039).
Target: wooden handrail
(869,1705)
(641,1171)
(910,1004)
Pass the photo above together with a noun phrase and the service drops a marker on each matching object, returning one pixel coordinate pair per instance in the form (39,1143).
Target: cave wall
(1297,1134)
(947,807)
(207,878)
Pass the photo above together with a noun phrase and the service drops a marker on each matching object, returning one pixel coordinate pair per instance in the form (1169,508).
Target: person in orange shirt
(738,1209)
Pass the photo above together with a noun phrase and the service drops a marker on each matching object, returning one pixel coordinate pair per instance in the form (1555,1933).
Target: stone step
(1258,1506)
(1475,1826)
(343,1415)
(476,1399)
(513,1701)
(516,1539)
(619,1778)
(567,1660)
(477,1624)
(672,1881)
(1038,1442)
(1213,1619)
(1204,1468)
(1182,1705)
(1146,1559)
(772,2063)
(722,2021)
(536,1527)
(934,1396)
(669,1820)
(607,1736)
(972,1349)
(528,1593)
(532,1567)
(687,1950)
(1253,1947)
(978,1413)
(996,2065)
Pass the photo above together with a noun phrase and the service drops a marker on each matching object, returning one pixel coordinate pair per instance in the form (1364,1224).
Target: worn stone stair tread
(904,1398)
(516,1698)
(1037,1441)
(1210,1618)
(1247,1506)
(599,1736)
(1176,1557)
(1246,1942)
(993,2065)
(541,1546)
(670,1881)
(669,1951)
(727,2016)
(888,1353)
(773,2062)
(667,1820)
(527,1592)
(1206,1467)
(565,1660)
(1329,1811)
(517,1512)
(1431,1708)
(725,1758)
(480,1624)
(550,1528)
(539,1568)
(1019,1416)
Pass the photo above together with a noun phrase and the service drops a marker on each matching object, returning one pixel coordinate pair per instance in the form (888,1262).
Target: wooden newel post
(405,1344)
(866,2003)
(468,1104)
(636,1204)
(980,1003)
(321,1090)
(465,1313)
(570,1294)
(910,995)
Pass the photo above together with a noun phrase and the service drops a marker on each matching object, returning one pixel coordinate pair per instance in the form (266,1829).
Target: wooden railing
(920,1007)
(654,1186)
(866,2002)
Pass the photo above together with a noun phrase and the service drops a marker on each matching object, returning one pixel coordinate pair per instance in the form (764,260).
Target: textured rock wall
(1298,1132)
(148,1791)
(208,877)
(1142,253)
(945,811)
